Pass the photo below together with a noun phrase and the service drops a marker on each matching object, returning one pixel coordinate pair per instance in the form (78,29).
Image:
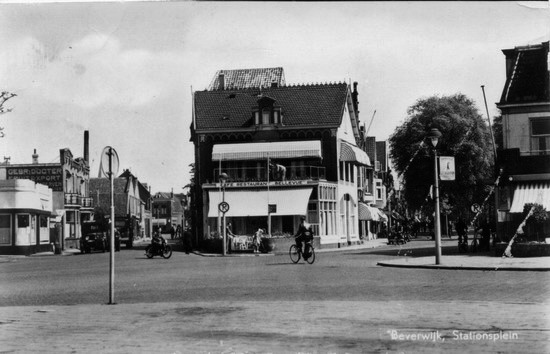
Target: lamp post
(223,179)
(434,136)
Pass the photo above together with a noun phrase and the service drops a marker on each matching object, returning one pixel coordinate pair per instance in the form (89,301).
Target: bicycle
(296,253)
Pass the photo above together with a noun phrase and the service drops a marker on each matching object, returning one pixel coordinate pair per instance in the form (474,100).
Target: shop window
(43,221)
(5,229)
(23,220)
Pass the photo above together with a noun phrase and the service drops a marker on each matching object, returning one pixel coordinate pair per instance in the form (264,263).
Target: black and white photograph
(274,177)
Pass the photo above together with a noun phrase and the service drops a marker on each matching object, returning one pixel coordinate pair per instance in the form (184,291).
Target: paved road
(342,303)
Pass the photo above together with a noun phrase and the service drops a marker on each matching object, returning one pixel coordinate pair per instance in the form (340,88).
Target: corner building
(288,150)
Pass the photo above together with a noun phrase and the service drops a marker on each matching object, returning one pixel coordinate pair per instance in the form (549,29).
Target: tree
(4,96)
(464,136)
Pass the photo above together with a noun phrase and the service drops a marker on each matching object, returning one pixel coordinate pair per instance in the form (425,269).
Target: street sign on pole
(109,158)
(223,207)
(447,168)
(109,162)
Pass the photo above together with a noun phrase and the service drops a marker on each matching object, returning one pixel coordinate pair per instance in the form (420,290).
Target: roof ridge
(287,85)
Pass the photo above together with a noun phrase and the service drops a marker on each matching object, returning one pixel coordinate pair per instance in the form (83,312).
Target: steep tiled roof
(527,78)
(246,78)
(300,105)
(100,192)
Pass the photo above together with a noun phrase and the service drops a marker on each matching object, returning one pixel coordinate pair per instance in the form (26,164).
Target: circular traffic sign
(109,155)
(475,208)
(223,207)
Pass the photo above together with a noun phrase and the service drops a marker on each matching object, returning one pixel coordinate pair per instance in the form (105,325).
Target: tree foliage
(464,136)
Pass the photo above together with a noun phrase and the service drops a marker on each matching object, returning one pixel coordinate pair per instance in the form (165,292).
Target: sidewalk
(366,245)
(471,262)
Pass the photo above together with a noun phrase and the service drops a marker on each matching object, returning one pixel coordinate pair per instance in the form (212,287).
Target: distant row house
(132,202)
(287,151)
(168,211)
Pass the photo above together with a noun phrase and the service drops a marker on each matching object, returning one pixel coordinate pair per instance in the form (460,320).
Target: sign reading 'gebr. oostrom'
(51,176)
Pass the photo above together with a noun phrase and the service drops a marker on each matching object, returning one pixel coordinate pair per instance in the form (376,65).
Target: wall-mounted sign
(264,184)
(51,176)
(447,168)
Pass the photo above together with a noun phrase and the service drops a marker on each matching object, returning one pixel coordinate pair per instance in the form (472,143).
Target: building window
(265,116)
(540,134)
(275,117)
(23,220)
(5,229)
(378,190)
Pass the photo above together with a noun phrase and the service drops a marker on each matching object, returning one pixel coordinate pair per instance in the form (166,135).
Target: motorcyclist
(304,234)
(158,241)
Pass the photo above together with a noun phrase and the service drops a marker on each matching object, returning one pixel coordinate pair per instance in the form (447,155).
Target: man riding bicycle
(304,234)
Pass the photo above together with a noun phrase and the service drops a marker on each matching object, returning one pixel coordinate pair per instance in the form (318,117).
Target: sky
(125,71)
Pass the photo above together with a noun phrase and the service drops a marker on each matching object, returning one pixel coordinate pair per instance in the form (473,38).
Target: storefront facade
(25,210)
(525,157)
(287,151)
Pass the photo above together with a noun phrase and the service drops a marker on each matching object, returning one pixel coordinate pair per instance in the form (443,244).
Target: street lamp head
(434,136)
(223,177)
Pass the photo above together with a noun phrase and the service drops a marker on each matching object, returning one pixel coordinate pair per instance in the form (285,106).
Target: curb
(483,268)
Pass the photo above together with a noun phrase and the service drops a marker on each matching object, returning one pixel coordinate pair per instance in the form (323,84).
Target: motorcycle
(158,249)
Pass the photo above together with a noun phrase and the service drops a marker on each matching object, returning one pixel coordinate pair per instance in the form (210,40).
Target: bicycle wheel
(294,254)
(311,257)
(167,252)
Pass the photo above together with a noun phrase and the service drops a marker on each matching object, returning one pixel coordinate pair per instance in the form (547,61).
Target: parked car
(94,241)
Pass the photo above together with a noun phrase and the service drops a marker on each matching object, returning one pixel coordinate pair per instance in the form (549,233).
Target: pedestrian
(257,239)
(230,236)
(450,229)
(485,236)
(172,231)
(186,236)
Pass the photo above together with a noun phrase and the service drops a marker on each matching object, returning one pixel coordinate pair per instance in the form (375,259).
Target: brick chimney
(35,157)
(221,80)
(87,147)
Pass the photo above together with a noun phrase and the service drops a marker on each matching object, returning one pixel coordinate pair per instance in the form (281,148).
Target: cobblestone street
(278,327)
(342,303)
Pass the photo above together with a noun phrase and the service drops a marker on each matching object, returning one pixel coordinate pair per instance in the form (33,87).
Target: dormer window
(267,113)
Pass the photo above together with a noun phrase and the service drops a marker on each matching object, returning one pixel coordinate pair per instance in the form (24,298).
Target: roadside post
(110,157)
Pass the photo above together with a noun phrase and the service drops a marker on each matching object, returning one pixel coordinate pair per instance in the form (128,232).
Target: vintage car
(93,241)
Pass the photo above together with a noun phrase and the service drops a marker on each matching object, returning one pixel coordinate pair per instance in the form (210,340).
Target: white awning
(350,152)
(531,193)
(254,202)
(260,151)
(383,216)
(368,213)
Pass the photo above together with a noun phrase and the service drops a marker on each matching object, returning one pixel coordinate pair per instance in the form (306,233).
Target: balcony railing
(86,202)
(72,199)
(259,174)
